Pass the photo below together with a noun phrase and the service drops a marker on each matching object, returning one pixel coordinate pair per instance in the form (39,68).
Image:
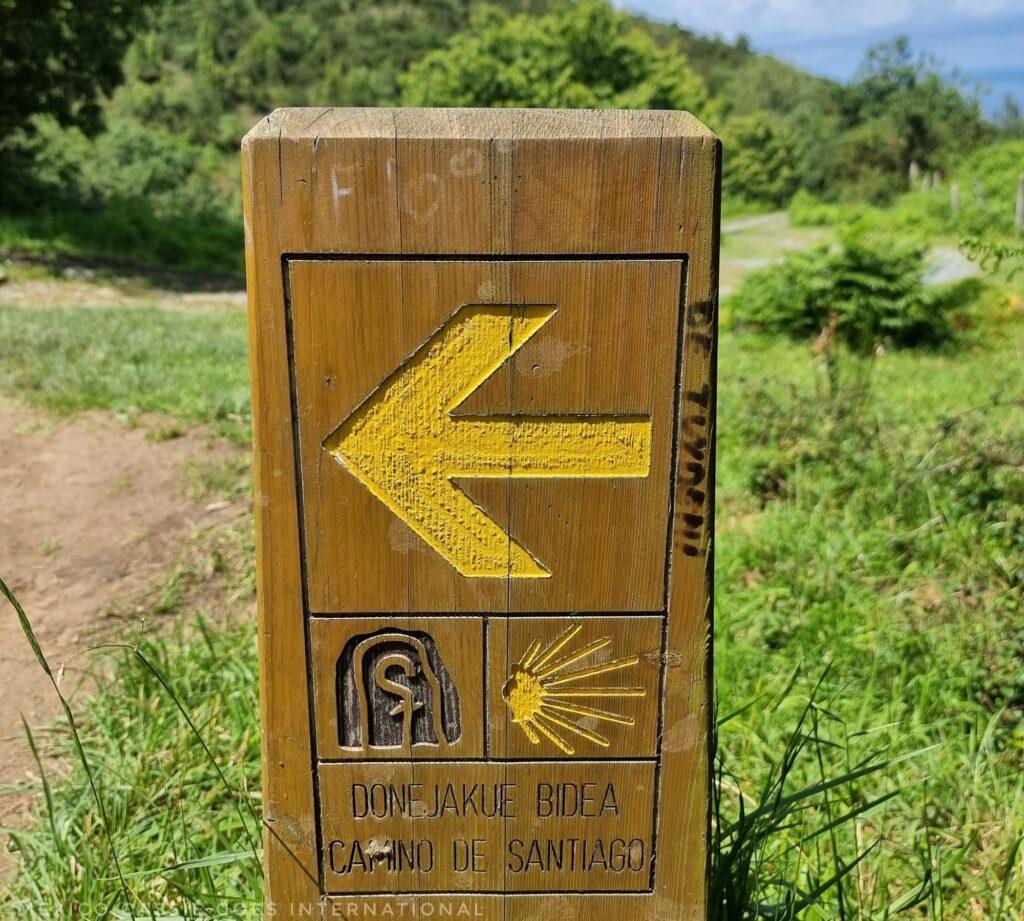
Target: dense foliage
(587,56)
(978,199)
(988,182)
(56,58)
(901,109)
(136,192)
(207,70)
(760,160)
(858,141)
(200,72)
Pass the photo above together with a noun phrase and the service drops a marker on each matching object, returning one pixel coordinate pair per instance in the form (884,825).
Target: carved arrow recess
(406,446)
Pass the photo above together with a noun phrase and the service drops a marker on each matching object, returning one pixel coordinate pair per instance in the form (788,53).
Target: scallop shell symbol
(545,699)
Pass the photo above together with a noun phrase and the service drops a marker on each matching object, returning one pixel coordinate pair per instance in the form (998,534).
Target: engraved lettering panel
(518,827)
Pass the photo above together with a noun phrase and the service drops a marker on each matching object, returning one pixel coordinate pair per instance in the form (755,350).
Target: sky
(983,39)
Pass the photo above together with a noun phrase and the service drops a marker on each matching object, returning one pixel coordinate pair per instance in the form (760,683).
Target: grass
(160,810)
(128,230)
(129,360)
(183,825)
(871,518)
(881,527)
(223,479)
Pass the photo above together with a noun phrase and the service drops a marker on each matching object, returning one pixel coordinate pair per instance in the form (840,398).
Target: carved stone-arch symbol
(394,691)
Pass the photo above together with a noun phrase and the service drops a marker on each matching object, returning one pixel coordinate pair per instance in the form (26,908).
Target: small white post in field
(1018,222)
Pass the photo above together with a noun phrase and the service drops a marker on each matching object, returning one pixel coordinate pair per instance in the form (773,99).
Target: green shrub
(988,181)
(54,165)
(806,210)
(131,160)
(994,257)
(863,293)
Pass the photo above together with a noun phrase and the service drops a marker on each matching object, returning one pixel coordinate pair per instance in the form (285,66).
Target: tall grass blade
(26,628)
(253,837)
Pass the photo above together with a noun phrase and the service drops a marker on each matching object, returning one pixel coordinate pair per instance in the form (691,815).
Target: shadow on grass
(129,235)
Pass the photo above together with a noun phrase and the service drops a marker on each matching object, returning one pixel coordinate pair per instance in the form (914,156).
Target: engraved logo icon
(545,698)
(395,692)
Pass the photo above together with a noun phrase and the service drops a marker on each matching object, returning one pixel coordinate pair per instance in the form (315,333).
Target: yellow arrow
(405,446)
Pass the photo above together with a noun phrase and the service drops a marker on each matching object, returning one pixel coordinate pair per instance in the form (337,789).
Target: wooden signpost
(483,351)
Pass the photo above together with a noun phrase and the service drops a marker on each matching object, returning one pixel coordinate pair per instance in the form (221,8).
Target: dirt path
(946,264)
(775,220)
(93,515)
(751,243)
(78,292)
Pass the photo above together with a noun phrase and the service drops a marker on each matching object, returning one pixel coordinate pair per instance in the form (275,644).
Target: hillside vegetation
(978,199)
(154,176)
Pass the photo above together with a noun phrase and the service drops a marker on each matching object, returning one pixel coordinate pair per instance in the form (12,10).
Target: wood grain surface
(485,670)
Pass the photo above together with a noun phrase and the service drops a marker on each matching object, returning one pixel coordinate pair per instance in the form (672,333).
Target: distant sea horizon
(990,56)
(984,49)
(1003,81)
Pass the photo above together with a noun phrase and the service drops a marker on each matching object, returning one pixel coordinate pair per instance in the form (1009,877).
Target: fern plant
(860,292)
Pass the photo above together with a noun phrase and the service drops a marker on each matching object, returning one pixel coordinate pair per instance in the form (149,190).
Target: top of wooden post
(465,181)
(475,123)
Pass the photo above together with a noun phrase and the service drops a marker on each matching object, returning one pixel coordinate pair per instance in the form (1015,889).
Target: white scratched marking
(339,191)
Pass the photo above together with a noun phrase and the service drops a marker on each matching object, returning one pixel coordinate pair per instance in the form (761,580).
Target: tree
(759,160)
(868,161)
(924,112)
(584,56)
(58,56)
